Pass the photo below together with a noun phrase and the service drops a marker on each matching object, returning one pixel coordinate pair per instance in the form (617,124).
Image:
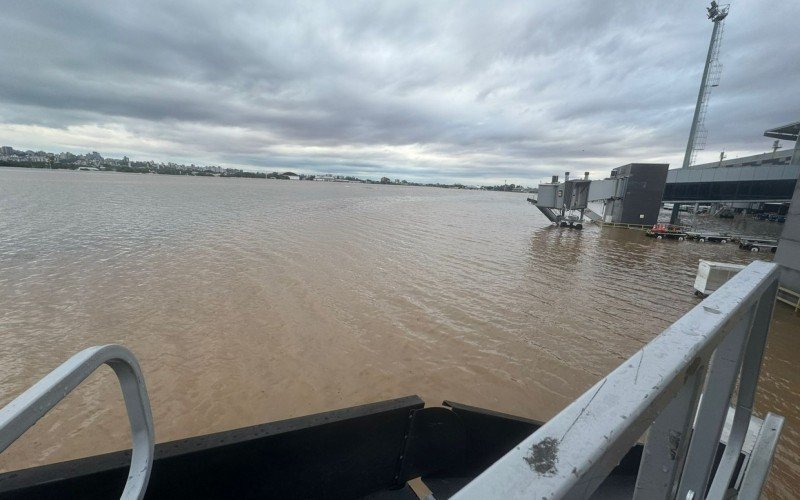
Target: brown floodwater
(248,301)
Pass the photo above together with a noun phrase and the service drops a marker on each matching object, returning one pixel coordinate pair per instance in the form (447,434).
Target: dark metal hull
(367,451)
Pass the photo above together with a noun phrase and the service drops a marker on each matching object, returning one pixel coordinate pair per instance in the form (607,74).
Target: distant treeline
(133,168)
(502,187)
(145,168)
(250,175)
(30,164)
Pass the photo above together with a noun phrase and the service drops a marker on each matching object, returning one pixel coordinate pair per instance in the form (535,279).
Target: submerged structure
(630,195)
(564,203)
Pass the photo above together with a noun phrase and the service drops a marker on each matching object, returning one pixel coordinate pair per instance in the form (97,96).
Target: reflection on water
(248,301)
(740,225)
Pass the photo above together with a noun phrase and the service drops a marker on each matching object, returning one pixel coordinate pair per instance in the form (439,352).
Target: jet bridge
(630,195)
(564,203)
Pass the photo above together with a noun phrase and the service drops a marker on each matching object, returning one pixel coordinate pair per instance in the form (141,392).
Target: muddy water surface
(249,300)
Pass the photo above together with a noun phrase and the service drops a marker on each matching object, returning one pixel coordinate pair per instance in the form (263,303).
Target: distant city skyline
(474,94)
(41,159)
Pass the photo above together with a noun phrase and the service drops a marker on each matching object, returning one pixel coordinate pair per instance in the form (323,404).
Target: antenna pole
(697,133)
(716,15)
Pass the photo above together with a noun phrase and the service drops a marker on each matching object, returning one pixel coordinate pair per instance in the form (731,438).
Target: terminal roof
(788,132)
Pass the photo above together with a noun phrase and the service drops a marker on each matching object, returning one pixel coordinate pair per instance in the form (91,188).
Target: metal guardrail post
(761,458)
(751,367)
(713,409)
(796,295)
(27,408)
(667,441)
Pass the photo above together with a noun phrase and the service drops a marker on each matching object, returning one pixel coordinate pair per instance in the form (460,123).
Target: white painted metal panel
(603,190)
(712,275)
(547,196)
(761,460)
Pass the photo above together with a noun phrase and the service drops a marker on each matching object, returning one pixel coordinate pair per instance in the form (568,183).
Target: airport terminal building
(743,182)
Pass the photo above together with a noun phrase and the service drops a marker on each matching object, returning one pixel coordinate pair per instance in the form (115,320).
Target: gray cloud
(471,91)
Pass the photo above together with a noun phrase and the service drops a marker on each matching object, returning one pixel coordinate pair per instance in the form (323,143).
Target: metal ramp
(592,215)
(548,212)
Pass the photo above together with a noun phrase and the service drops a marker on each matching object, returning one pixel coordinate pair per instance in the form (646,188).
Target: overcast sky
(475,92)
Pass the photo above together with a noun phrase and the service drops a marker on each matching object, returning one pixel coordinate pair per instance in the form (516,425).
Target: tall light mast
(711,73)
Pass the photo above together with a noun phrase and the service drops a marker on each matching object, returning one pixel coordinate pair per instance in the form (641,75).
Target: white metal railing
(27,408)
(789,297)
(659,389)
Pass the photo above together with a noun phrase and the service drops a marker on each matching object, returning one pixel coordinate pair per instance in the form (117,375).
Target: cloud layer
(463,91)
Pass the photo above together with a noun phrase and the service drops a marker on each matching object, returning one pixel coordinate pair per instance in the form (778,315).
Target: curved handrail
(27,408)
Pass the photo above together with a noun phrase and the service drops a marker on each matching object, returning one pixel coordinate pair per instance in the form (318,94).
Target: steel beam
(761,459)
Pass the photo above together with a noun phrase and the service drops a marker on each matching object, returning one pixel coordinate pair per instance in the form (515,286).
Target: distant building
(744,183)
(763,159)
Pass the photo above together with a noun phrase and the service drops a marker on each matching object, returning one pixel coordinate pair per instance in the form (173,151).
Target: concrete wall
(788,253)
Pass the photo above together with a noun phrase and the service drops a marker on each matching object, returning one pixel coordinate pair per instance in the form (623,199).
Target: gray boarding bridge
(675,394)
(633,193)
